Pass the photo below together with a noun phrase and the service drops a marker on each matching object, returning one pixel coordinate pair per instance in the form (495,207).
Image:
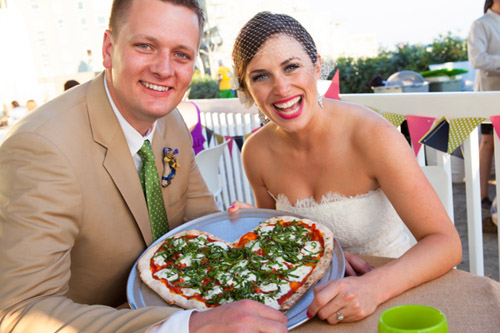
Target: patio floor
(490,240)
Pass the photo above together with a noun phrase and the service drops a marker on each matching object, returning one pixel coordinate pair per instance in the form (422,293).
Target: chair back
(208,162)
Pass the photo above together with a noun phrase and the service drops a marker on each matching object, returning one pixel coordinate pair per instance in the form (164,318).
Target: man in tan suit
(73,216)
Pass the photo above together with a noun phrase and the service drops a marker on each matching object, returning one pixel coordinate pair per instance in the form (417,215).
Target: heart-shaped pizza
(276,264)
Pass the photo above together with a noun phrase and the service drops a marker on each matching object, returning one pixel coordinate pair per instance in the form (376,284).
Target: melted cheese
(167,274)
(301,272)
(190,291)
(158,260)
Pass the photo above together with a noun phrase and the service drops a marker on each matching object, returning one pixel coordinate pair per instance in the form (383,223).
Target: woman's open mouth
(289,108)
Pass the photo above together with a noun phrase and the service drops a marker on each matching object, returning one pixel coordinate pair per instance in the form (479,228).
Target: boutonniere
(170,165)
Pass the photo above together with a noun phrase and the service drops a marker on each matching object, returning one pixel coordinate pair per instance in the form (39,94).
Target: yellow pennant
(460,129)
(393,118)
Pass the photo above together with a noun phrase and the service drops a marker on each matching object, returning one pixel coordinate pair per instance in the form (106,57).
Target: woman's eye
(291,68)
(260,77)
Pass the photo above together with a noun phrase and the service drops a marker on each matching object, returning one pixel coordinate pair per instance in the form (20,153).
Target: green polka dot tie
(152,191)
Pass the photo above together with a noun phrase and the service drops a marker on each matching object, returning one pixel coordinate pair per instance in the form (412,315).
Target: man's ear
(107,48)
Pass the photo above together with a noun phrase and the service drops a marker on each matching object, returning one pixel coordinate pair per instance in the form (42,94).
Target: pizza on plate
(276,264)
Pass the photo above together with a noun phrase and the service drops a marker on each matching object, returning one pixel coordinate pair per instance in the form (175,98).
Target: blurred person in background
(224,81)
(70,84)
(31,105)
(16,112)
(484,55)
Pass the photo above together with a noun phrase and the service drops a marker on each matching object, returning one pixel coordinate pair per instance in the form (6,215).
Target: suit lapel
(117,161)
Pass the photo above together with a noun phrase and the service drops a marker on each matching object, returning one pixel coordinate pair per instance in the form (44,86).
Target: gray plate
(231,226)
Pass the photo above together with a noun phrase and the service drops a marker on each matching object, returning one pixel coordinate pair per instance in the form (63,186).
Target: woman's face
(282,81)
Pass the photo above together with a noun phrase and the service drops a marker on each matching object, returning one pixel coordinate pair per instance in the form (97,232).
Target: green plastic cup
(412,319)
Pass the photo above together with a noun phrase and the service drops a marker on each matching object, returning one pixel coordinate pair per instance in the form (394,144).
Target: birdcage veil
(254,35)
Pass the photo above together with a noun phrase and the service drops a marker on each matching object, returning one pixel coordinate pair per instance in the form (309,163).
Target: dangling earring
(320,101)
(263,119)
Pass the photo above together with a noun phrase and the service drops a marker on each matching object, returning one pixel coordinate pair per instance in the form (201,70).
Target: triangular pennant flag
(229,144)
(219,138)
(495,121)
(460,129)
(393,118)
(437,137)
(334,88)
(458,153)
(210,133)
(246,136)
(239,141)
(418,127)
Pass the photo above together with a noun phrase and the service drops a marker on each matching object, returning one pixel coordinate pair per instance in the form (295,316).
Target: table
(470,302)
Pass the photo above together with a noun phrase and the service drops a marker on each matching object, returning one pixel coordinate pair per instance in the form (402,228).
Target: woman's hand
(237,205)
(344,300)
(355,266)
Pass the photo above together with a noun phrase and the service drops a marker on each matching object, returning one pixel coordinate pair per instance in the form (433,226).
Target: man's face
(150,63)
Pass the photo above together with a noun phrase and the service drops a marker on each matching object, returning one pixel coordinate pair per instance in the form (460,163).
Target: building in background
(332,39)
(52,41)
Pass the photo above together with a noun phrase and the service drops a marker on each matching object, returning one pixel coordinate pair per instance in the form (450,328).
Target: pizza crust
(143,265)
(164,292)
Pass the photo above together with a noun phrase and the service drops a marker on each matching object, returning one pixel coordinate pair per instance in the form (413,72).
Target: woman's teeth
(289,107)
(154,86)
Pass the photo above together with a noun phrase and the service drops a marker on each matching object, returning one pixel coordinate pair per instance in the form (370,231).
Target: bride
(340,164)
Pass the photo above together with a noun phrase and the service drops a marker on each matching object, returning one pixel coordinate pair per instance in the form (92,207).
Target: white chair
(441,183)
(208,163)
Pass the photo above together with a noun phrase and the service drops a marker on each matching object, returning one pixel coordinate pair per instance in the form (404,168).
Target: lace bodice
(363,224)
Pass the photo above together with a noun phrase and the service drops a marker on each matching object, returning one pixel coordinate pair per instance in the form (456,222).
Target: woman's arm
(392,164)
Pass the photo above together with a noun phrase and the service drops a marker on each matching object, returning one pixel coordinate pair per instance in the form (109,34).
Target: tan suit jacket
(73,218)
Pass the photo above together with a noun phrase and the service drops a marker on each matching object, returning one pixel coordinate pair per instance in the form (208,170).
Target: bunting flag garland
(334,88)
(209,133)
(418,127)
(229,144)
(446,135)
(239,141)
(437,137)
(395,119)
(219,138)
(460,129)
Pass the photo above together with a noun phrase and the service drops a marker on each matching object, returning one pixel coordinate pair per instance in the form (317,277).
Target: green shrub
(355,74)
(203,88)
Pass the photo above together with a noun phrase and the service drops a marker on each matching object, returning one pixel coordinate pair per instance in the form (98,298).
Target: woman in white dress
(341,164)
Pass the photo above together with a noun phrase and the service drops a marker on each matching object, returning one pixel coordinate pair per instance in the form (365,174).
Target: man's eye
(143,46)
(182,55)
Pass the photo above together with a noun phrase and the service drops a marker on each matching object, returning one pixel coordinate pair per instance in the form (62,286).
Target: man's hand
(240,316)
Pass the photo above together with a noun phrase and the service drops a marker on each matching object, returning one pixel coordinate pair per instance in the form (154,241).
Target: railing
(228,118)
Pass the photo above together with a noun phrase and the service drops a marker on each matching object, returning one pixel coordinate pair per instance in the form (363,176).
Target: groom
(73,215)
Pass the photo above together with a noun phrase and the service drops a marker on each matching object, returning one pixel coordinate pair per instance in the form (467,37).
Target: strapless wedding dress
(363,224)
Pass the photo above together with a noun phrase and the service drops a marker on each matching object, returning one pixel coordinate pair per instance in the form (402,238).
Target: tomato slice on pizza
(276,264)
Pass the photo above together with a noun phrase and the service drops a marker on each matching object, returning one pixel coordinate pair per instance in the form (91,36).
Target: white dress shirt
(178,322)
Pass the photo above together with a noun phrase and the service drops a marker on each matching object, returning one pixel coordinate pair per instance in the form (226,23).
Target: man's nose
(162,65)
